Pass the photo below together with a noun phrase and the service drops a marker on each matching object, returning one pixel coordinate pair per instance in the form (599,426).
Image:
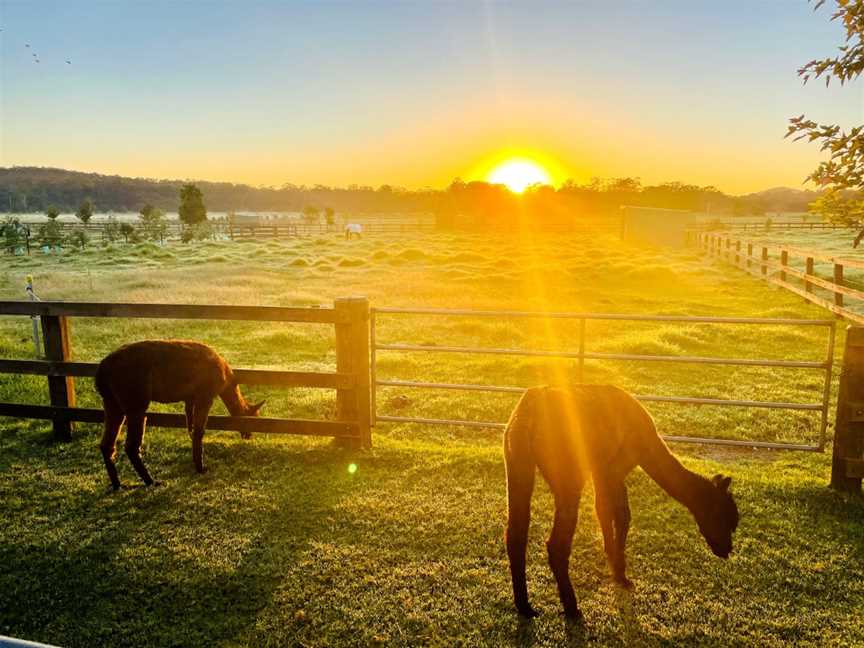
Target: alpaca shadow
(631,630)
(122,555)
(575,633)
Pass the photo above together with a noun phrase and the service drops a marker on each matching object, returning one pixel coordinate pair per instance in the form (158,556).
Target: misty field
(280,545)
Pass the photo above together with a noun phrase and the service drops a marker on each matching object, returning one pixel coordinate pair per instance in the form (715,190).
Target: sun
(519,174)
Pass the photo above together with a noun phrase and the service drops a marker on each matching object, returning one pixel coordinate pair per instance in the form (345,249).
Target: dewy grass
(280,544)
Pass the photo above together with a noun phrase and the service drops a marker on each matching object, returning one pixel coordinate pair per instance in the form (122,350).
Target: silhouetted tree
(49,233)
(845,167)
(153,222)
(311,214)
(85,211)
(127,230)
(192,209)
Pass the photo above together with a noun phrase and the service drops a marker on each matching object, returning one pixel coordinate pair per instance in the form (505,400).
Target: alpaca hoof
(573,615)
(625,583)
(527,612)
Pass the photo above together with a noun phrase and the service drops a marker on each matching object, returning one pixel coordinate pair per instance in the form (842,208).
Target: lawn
(280,545)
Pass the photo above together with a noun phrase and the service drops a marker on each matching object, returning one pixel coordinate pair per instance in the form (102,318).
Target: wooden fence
(768,225)
(772,263)
(223,229)
(291,230)
(355,378)
(349,316)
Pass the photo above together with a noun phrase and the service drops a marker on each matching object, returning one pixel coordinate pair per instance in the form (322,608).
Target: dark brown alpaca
(602,432)
(165,371)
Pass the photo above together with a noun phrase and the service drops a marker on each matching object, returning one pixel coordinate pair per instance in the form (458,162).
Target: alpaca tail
(103,384)
(521,466)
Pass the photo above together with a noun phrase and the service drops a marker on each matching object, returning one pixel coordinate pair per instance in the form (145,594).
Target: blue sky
(416,93)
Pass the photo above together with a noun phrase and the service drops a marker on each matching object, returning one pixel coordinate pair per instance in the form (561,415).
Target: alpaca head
(718,519)
(250,410)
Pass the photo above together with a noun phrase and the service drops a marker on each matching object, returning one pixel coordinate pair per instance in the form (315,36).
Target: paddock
(290,539)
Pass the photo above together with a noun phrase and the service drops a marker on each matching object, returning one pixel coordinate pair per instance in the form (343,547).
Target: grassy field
(280,545)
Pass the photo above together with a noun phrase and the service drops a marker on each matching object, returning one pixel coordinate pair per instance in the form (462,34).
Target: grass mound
(351,263)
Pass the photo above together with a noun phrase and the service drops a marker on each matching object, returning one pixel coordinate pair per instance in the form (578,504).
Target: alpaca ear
(722,482)
(254,409)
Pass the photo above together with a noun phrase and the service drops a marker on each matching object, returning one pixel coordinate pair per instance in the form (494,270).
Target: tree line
(151,225)
(34,190)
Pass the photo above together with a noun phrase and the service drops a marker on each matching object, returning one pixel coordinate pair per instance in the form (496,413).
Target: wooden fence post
(764,261)
(808,269)
(61,389)
(352,356)
(784,261)
(738,252)
(838,280)
(749,253)
(847,465)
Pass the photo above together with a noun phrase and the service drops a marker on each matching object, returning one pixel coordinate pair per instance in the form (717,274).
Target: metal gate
(825,365)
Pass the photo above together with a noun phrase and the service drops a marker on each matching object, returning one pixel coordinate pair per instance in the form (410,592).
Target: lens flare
(352,468)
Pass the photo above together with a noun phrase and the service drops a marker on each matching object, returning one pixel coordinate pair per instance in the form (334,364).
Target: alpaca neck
(234,400)
(681,484)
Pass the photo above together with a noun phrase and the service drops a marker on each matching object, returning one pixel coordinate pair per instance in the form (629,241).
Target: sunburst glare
(519,174)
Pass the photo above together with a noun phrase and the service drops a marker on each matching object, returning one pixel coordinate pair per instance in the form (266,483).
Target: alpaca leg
(113,422)
(202,409)
(135,424)
(520,485)
(558,548)
(610,504)
(622,526)
(190,414)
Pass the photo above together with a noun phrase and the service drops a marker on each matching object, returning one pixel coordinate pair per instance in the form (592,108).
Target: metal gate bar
(826,366)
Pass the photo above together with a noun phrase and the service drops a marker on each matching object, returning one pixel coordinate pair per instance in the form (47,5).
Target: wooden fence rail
(773,265)
(349,316)
(768,225)
(279,229)
(28,236)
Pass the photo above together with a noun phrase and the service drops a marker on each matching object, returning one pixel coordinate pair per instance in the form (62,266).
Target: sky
(415,94)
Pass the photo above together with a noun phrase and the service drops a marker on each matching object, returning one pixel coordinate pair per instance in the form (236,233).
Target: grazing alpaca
(602,431)
(166,371)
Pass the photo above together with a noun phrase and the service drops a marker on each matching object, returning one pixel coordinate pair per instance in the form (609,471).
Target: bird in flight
(68,62)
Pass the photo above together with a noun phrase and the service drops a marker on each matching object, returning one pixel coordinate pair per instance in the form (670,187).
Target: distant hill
(784,199)
(33,189)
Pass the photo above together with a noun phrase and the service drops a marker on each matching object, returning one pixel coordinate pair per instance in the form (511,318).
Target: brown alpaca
(165,371)
(601,431)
